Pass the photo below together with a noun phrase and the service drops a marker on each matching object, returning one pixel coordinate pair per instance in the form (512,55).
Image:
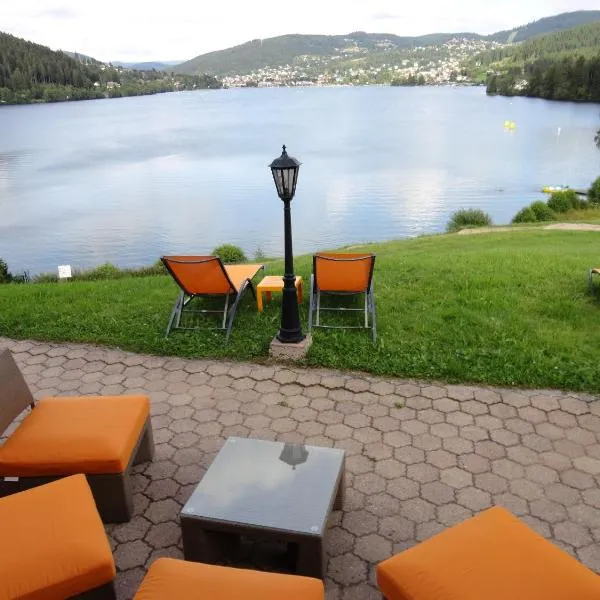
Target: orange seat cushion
(53,542)
(170,578)
(492,556)
(63,436)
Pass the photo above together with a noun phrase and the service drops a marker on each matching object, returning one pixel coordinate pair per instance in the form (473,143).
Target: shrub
(229,253)
(563,201)
(525,215)
(594,192)
(105,271)
(468,217)
(542,211)
(5,276)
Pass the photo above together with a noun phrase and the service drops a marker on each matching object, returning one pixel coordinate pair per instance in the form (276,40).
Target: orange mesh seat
(344,274)
(199,276)
(492,556)
(53,543)
(64,436)
(170,578)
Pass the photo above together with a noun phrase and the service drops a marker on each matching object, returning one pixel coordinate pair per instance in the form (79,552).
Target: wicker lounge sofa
(100,436)
(492,556)
(54,545)
(170,578)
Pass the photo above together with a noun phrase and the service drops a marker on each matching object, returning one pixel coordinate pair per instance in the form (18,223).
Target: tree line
(574,78)
(33,73)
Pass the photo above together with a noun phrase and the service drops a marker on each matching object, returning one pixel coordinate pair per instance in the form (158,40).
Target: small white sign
(64,271)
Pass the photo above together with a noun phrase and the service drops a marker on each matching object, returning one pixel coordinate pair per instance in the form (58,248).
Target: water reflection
(294,455)
(126,181)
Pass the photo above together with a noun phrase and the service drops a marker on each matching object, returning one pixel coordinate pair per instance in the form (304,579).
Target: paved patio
(420,456)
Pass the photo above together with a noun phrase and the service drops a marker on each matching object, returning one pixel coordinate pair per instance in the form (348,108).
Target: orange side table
(274,283)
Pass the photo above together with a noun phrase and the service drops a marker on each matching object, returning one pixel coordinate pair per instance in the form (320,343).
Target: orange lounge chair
(54,544)
(170,578)
(200,276)
(492,556)
(100,436)
(342,275)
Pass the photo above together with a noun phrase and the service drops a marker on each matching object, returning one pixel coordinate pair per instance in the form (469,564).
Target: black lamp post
(285,174)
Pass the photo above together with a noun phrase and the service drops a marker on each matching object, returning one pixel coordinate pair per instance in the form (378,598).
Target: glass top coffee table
(265,490)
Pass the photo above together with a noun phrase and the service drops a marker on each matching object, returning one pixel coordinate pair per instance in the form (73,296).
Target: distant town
(422,65)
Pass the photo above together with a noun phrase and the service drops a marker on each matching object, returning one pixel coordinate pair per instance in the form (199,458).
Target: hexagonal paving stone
(373,548)
(403,488)
(437,493)
(163,510)
(359,522)
(417,510)
(132,554)
(347,569)
(473,498)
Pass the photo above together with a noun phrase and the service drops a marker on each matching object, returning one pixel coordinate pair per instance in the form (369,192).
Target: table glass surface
(287,487)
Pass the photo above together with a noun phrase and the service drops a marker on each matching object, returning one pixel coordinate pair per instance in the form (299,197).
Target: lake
(128,180)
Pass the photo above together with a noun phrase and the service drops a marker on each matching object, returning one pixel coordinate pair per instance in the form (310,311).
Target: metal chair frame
(369,302)
(183,300)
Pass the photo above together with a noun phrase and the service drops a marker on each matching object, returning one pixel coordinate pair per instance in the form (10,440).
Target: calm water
(128,180)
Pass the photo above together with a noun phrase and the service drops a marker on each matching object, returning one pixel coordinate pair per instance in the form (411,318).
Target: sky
(145,30)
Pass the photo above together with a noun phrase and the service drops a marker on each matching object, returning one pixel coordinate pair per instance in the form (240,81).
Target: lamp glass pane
(278,177)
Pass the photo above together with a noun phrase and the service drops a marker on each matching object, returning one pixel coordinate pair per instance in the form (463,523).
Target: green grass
(508,309)
(587,215)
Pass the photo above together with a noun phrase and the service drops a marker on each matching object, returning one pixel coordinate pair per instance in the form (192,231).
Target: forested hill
(559,66)
(33,73)
(285,49)
(546,25)
(291,49)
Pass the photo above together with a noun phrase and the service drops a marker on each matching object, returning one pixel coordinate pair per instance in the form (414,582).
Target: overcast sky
(141,30)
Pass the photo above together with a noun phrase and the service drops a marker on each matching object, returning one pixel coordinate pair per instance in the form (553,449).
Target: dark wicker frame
(103,592)
(113,492)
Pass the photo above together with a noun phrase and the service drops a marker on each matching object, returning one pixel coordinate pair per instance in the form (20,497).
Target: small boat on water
(548,189)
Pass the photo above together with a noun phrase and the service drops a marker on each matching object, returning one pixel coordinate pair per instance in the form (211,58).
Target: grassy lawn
(588,215)
(508,309)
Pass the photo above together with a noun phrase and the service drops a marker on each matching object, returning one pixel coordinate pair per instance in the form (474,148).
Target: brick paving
(420,456)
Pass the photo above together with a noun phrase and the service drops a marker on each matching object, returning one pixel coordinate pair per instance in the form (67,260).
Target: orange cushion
(492,556)
(170,578)
(53,542)
(88,434)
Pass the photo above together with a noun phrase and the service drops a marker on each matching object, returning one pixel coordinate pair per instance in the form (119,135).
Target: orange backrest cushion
(198,274)
(53,542)
(177,579)
(492,556)
(87,434)
(335,272)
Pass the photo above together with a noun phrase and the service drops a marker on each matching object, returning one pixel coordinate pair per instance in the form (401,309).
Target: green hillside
(286,49)
(560,66)
(377,47)
(582,40)
(545,25)
(33,73)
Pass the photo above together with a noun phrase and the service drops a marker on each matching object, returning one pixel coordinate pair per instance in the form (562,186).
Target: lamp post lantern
(285,175)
